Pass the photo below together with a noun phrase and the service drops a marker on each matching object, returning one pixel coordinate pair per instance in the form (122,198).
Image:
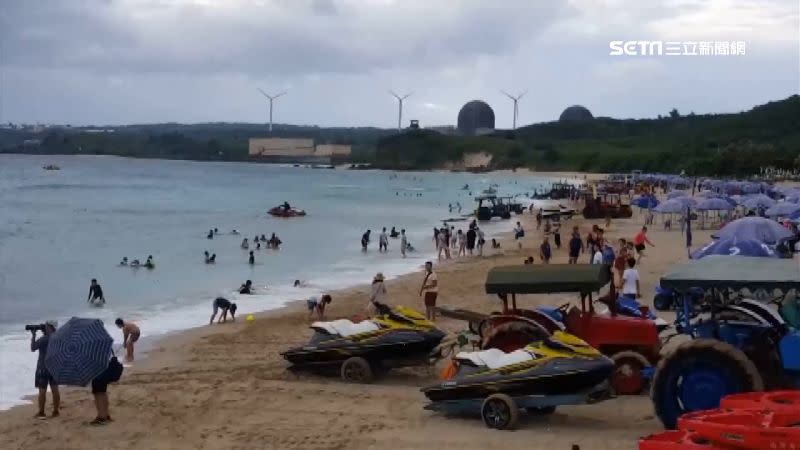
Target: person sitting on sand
(226,306)
(245,245)
(528,260)
(495,244)
(318,306)
(130,334)
(124,261)
(246,288)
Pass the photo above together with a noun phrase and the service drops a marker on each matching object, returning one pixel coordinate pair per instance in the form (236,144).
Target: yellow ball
(250,318)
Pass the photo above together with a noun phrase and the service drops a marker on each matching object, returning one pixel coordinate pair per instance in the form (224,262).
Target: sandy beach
(226,387)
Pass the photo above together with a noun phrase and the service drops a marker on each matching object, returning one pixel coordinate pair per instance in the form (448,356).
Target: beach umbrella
(645,201)
(714,204)
(755,228)
(78,351)
(686,201)
(783,209)
(757,201)
(670,207)
(735,247)
(674,194)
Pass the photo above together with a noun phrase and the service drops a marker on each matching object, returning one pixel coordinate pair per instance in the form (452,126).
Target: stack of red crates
(750,421)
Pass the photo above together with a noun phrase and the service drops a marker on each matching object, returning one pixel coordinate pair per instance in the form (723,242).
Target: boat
(280,211)
(555,370)
(358,350)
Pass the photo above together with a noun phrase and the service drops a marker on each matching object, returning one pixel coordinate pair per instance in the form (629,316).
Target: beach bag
(114,370)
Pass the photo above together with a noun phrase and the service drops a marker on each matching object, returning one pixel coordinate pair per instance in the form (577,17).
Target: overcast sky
(145,61)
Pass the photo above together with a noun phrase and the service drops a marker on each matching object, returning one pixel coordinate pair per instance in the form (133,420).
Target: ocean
(59,229)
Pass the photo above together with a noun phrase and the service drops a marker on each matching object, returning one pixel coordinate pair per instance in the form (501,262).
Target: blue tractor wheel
(697,374)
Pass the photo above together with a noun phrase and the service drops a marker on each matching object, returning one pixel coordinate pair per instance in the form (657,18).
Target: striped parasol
(78,351)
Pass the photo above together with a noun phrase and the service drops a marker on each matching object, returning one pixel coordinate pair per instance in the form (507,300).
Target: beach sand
(226,387)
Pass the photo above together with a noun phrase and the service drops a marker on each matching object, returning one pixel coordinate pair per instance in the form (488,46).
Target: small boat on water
(51,167)
(280,211)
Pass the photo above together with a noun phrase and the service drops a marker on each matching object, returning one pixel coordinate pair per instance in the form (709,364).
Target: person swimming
(245,245)
(149,263)
(208,257)
(235,232)
(263,238)
(394,233)
(135,263)
(96,296)
(216,231)
(124,261)
(274,242)
(246,288)
(252,259)
(213,258)
(210,234)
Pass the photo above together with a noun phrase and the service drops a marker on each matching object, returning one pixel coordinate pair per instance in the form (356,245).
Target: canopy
(547,278)
(735,247)
(734,272)
(783,209)
(670,207)
(757,228)
(757,201)
(714,204)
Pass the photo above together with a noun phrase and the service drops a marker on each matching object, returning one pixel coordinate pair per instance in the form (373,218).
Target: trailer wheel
(499,411)
(628,378)
(697,374)
(356,370)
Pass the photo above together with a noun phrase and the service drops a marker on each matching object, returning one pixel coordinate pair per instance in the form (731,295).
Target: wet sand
(226,387)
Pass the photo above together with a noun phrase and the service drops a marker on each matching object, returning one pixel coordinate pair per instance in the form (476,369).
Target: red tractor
(633,343)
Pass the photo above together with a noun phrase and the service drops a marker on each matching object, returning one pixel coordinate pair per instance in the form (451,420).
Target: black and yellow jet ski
(394,338)
(558,370)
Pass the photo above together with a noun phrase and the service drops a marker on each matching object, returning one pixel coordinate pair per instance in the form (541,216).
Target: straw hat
(379,276)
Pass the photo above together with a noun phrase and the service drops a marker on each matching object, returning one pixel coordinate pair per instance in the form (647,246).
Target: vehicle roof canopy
(733,272)
(545,279)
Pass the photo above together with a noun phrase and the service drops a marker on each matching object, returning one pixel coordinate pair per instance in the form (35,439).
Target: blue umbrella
(670,207)
(686,201)
(735,247)
(645,201)
(757,201)
(783,209)
(78,351)
(714,204)
(673,194)
(755,228)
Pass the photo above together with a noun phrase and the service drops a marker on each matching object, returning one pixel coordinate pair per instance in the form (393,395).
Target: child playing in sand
(318,306)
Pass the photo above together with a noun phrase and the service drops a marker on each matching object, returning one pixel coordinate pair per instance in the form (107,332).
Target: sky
(97,62)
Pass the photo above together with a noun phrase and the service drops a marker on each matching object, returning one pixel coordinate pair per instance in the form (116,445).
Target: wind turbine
(516,101)
(271,99)
(400,107)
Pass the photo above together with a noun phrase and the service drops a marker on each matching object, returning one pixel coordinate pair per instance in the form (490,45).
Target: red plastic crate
(772,401)
(678,440)
(746,429)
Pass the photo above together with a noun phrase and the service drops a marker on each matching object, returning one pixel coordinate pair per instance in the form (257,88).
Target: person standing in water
(95,294)
(252,259)
(245,244)
(365,240)
(403,242)
(383,241)
(130,334)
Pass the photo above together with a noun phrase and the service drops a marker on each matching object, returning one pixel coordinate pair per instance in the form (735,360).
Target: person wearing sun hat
(377,293)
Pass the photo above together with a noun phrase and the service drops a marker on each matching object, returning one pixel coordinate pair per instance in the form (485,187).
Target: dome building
(476,117)
(575,113)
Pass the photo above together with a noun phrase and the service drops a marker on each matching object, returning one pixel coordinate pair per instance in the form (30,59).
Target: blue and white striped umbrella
(78,351)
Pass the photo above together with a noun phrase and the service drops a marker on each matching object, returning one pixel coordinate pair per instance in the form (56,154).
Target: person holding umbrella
(43,377)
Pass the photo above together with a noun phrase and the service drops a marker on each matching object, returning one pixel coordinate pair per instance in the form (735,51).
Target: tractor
(632,342)
(737,341)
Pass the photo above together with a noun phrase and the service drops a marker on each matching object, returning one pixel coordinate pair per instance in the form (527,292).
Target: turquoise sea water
(59,229)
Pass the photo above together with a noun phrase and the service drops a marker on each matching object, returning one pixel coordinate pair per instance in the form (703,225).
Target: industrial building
(288,150)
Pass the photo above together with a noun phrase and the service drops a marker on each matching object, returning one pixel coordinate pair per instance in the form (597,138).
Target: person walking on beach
(462,243)
(538,219)
(639,240)
(452,234)
(471,240)
(403,242)
(519,233)
(557,235)
(365,240)
(130,334)
(429,291)
(441,244)
(630,280)
(481,241)
(383,241)
(377,294)
(96,296)
(42,377)
(447,237)
(575,246)
(545,252)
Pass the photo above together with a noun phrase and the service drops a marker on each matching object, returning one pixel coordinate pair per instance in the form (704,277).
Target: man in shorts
(130,334)
(225,305)
(43,377)
(639,240)
(429,291)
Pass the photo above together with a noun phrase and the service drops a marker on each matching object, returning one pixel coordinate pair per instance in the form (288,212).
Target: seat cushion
(494,358)
(345,327)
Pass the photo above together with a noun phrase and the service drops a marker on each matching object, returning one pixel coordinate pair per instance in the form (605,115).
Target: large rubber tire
(697,374)
(356,370)
(499,411)
(627,378)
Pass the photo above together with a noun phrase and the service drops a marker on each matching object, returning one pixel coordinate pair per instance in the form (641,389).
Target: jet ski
(394,338)
(280,211)
(558,370)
